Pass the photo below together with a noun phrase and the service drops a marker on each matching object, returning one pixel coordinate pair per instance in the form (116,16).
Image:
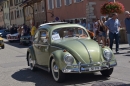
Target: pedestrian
(127,25)
(107,41)
(113,25)
(95,28)
(101,33)
(19,30)
(33,31)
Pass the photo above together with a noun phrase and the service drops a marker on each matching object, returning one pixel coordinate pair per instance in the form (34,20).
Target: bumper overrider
(92,67)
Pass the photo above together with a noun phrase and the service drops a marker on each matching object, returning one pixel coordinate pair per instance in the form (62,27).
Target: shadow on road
(42,78)
(16,44)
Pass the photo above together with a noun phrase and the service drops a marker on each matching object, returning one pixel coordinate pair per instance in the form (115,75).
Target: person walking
(127,25)
(113,25)
(102,33)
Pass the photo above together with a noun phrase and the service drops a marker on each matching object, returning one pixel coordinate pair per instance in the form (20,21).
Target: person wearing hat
(127,25)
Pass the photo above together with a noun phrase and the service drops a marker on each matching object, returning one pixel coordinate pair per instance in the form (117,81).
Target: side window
(36,36)
(43,39)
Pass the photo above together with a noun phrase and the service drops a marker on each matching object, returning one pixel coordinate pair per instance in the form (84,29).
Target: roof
(54,25)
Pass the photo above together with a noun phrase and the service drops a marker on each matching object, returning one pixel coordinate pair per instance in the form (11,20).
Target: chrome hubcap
(31,63)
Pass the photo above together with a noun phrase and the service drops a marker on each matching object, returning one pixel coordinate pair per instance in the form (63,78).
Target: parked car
(25,39)
(13,37)
(2,43)
(62,48)
(4,32)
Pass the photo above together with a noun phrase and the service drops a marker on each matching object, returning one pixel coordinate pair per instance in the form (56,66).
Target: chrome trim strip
(87,51)
(56,47)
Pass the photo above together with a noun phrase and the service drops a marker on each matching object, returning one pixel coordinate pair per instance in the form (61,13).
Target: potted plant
(112,7)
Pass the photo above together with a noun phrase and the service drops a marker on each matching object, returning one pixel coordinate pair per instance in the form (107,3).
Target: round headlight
(107,54)
(69,59)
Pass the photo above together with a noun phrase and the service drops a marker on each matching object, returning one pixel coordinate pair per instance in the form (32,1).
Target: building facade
(1,17)
(16,13)
(66,9)
(34,12)
(79,9)
(6,13)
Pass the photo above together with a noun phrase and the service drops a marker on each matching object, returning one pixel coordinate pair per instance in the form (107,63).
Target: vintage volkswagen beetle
(2,43)
(62,48)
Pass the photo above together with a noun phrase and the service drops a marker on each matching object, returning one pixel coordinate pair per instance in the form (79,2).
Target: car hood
(16,34)
(83,50)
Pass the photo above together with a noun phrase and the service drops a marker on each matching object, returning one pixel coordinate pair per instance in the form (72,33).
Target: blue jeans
(128,38)
(113,36)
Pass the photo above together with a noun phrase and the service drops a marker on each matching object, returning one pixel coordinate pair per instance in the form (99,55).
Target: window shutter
(52,4)
(48,5)
(60,3)
(70,1)
(65,2)
(56,3)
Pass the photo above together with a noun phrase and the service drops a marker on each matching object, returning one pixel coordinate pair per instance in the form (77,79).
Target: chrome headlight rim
(70,59)
(107,57)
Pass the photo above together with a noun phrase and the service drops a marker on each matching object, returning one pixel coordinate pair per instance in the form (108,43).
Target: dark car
(3,33)
(25,40)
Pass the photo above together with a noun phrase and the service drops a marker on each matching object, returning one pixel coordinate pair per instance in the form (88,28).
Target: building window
(7,4)
(50,4)
(28,11)
(42,6)
(58,3)
(21,14)
(35,8)
(68,2)
(77,1)
(11,2)
(12,15)
(17,13)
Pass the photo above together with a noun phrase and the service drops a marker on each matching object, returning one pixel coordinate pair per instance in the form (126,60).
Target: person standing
(127,25)
(107,41)
(33,30)
(113,25)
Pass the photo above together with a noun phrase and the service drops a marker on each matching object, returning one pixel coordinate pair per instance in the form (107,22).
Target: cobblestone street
(15,72)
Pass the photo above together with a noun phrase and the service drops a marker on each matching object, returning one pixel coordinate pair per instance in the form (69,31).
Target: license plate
(94,68)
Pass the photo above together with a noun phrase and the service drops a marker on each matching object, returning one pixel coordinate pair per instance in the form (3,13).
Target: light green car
(62,48)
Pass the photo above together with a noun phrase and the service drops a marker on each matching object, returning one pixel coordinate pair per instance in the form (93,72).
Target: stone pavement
(15,72)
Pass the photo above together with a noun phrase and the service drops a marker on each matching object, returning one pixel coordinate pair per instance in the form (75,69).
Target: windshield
(69,32)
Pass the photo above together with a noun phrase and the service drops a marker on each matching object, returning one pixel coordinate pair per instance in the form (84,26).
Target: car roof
(53,25)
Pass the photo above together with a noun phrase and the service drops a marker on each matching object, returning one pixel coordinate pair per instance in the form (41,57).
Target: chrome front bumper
(84,68)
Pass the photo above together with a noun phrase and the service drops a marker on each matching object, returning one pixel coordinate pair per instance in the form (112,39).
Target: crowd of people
(105,29)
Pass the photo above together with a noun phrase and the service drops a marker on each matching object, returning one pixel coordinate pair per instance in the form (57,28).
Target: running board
(42,67)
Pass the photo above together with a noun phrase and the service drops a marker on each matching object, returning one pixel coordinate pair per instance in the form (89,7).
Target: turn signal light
(64,50)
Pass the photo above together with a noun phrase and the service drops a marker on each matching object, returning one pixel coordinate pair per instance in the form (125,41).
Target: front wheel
(107,72)
(57,74)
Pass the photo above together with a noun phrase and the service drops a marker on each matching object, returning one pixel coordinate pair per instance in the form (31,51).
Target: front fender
(58,56)
(113,56)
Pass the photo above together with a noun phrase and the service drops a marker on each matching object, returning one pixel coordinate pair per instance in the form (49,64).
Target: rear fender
(31,51)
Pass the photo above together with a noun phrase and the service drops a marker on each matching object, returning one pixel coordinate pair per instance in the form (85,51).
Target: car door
(42,49)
